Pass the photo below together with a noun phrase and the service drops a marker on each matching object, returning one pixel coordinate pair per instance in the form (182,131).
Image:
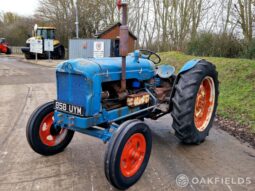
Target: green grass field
(237,85)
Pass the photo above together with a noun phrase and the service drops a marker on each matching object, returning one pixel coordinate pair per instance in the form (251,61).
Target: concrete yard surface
(39,62)
(220,163)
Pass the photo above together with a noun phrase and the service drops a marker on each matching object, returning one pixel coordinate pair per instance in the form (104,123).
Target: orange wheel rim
(204,104)
(133,155)
(45,132)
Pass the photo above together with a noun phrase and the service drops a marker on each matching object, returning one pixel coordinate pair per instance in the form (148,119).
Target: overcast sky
(21,7)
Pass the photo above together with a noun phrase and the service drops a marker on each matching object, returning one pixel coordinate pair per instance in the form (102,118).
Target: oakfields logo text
(183,180)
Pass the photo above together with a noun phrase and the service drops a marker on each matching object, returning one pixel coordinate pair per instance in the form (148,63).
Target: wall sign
(48,45)
(98,49)
(36,46)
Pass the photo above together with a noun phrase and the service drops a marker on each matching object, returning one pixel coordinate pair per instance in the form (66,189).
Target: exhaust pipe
(124,35)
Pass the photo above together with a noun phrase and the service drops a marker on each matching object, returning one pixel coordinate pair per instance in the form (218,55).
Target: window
(46,33)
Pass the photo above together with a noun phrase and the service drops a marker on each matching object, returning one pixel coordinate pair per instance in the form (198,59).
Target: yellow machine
(42,33)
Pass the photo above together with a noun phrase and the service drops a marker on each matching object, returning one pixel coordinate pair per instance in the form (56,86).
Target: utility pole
(77,18)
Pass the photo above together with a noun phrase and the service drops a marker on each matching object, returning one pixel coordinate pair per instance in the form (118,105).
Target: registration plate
(68,108)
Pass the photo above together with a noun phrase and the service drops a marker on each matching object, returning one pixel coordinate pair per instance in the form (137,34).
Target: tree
(60,14)
(15,28)
(10,18)
(245,18)
(93,16)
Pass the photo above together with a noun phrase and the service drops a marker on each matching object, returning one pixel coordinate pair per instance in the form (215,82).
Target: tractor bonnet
(109,69)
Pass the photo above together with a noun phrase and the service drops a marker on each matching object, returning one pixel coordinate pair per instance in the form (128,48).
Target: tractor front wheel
(128,154)
(195,103)
(43,137)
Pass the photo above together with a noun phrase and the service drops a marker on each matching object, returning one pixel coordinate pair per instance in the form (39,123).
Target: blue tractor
(109,98)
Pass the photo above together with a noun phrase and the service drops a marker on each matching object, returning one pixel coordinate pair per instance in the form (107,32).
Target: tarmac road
(23,87)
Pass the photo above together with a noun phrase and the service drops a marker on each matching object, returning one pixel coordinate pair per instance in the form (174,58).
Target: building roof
(109,28)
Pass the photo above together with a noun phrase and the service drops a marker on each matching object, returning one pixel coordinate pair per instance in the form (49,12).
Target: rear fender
(56,46)
(188,66)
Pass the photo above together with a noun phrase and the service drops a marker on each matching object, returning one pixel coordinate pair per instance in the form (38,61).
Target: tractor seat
(165,71)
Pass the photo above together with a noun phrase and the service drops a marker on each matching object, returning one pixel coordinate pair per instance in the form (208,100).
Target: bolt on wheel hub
(204,105)
(47,132)
(133,155)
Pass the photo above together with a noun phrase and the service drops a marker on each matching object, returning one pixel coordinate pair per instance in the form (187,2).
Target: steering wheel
(147,54)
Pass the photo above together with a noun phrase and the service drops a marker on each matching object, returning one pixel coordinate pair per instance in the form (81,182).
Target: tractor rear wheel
(43,137)
(195,103)
(128,154)
(59,53)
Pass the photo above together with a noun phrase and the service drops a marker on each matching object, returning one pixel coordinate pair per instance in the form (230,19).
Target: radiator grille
(72,89)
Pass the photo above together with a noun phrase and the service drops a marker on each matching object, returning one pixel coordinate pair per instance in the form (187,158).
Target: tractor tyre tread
(32,132)
(184,102)
(112,154)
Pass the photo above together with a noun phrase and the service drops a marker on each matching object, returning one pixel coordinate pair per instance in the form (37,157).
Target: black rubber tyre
(115,149)
(62,53)
(28,56)
(33,128)
(184,102)
(9,51)
(59,52)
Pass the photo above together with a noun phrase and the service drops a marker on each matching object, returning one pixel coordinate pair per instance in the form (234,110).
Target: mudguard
(188,66)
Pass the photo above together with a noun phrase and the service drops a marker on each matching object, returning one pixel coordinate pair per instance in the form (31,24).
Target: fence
(16,49)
